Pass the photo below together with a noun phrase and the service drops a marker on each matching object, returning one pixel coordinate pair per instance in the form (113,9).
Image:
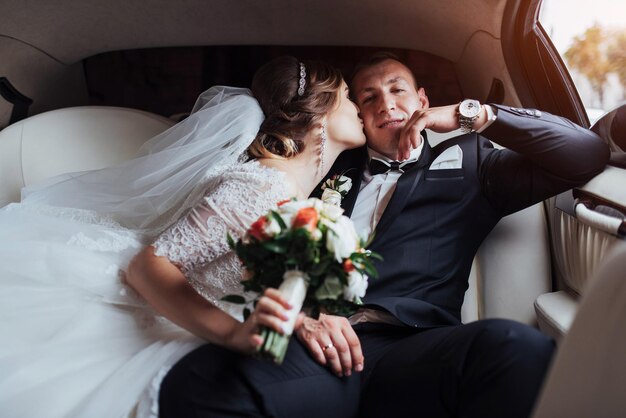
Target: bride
(78,337)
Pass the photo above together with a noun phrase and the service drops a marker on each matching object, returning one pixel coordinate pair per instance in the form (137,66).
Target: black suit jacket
(437,219)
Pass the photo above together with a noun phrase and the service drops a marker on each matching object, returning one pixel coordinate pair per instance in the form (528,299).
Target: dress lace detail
(112,241)
(176,244)
(78,215)
(197,243)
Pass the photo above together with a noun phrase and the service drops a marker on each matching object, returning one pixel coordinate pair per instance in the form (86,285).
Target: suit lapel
(404,190)
(356,174)
(351,163)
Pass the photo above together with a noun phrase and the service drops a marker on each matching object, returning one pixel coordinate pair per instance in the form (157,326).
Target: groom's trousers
(488,368)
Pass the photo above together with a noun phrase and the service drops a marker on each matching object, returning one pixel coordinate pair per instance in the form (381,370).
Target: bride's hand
(270,312)
(332,342)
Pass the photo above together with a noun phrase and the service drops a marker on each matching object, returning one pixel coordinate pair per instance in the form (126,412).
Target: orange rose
(257,229)
(348,266)
(306,218)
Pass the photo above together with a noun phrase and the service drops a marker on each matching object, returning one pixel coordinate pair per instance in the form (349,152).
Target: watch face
(469,108)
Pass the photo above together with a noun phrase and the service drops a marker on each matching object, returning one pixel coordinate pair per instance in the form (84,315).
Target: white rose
(357,285)
(332,197)
(332,212)
(331,288)
(346,186)
(315,203)
(341,239)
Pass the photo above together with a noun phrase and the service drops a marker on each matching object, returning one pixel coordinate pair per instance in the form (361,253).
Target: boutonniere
(335,188)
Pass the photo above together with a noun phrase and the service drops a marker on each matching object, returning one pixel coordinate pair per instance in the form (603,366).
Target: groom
(430,208)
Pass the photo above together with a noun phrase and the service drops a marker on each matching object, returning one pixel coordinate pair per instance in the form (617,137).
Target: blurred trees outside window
(591,38)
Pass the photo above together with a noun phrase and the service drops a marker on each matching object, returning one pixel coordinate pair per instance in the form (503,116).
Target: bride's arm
(167,290)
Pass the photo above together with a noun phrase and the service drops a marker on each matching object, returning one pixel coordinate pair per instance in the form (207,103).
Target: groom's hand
(332,342)
(440,119)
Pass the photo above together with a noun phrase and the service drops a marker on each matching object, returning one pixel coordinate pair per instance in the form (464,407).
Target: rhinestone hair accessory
(302,82)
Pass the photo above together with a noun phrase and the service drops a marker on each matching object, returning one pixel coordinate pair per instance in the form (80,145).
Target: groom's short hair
(377,58)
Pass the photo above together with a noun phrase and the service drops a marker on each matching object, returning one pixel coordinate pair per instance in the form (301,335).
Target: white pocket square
(450,158)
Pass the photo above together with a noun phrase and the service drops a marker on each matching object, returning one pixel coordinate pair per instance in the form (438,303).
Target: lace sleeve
(200,237)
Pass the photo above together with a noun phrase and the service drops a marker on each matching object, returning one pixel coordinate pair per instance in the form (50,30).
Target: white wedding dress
(75,340)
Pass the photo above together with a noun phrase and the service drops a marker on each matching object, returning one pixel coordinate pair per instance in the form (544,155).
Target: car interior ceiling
(225,41)
(70,31)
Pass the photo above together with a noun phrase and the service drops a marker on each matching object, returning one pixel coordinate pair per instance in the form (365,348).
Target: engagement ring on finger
(327,346)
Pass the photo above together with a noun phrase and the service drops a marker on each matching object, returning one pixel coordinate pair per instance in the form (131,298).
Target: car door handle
(607,223)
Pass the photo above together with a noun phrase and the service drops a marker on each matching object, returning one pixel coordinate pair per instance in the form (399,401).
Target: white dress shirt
(375,193)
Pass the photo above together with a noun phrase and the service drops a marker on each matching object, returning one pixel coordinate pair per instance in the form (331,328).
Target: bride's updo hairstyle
(288,114)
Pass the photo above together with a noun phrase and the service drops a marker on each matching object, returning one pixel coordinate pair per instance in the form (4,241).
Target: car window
(590,36)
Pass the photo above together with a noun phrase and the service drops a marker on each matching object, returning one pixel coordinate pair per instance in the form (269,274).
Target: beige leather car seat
(588,376)
(511,269)
(71,139)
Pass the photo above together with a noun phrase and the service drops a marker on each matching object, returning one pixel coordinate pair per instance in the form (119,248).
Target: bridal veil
(170,171)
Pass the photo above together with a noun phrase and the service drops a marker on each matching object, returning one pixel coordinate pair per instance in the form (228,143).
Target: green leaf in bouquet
(362,262)
(368,268)
(317,254)
(331,288)
(271,275)
(374,255)
(301,239)
(240,300)
(278,219)
(320,268)
(275,247)
(302,233)
(231,242)
(291,260)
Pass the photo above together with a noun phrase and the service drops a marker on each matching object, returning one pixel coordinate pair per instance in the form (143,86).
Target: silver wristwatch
(469,110)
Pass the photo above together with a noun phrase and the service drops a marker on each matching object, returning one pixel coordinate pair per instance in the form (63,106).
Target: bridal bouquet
(311,252)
